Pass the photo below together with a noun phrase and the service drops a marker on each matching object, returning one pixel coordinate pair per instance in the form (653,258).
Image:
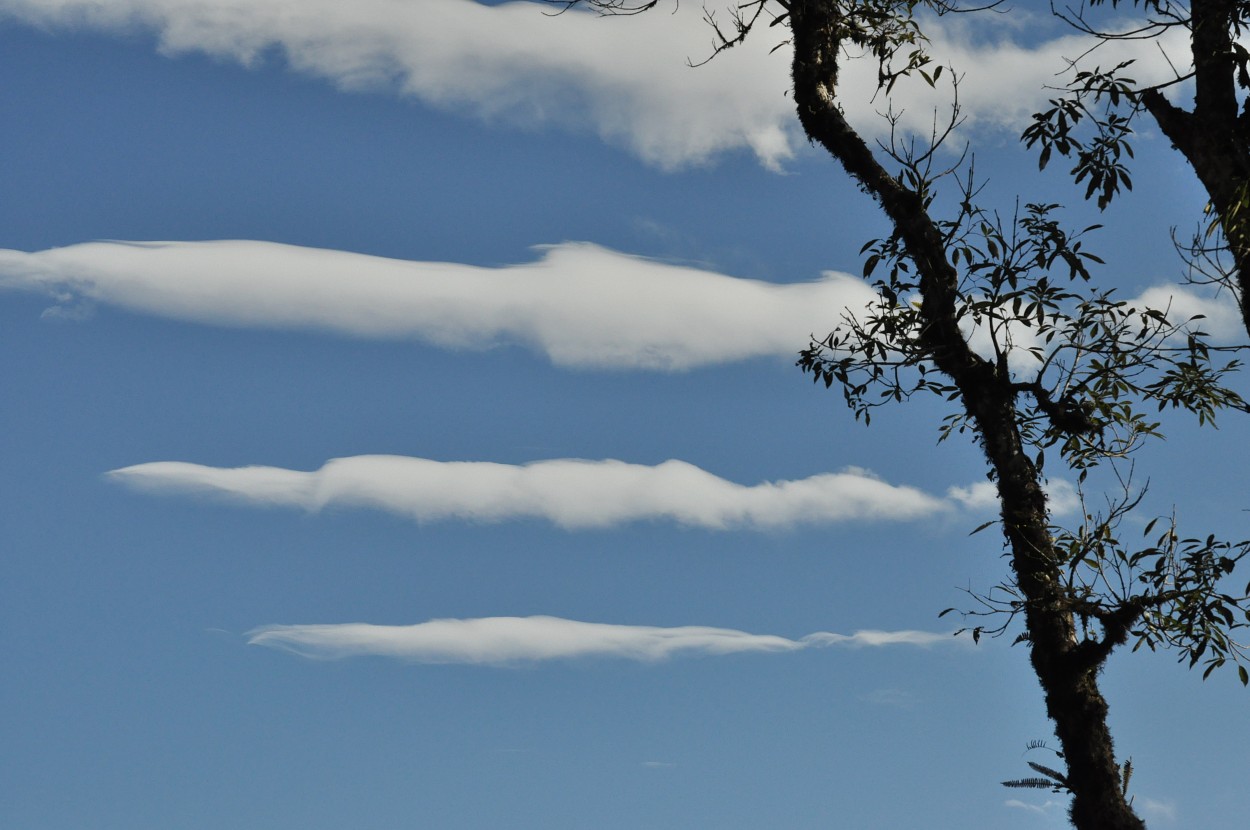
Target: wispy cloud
(894,698)
(625,78)
(1160,810)
(1046,808)
(580,304)
(571,493)
(508,640)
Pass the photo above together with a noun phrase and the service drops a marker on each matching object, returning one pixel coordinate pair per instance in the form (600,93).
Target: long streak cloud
(570,493)
(626,78)
(580,304)
(501,641)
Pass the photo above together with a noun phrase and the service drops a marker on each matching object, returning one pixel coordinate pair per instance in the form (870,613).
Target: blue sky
(401,430)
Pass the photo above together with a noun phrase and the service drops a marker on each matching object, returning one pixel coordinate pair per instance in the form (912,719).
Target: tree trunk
(1066,669)
(1215,137)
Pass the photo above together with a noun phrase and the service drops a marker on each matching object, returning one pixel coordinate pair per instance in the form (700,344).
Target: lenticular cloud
(571,493)
(579,304)
(509,640)
(626,78)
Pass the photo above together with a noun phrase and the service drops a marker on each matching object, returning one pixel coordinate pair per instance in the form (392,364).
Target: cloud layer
(580,304)
(625,78)
(571,493)
(508,640)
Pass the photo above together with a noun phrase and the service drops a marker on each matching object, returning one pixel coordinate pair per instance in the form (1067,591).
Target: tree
(1094,118)
(1067,367)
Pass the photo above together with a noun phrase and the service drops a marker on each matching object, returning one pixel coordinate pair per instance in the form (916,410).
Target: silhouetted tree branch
(1068,366)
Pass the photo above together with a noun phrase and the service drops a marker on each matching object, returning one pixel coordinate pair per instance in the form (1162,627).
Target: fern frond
(1033,784)
(1054,774)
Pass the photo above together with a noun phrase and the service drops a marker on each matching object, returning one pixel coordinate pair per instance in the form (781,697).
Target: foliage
(1097,111)
(1087,125)
(1083,361)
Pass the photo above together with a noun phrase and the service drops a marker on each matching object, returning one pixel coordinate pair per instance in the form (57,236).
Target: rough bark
(1214,137)
(1066,668)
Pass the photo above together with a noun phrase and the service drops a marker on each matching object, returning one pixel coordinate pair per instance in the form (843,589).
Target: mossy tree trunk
(1066,667)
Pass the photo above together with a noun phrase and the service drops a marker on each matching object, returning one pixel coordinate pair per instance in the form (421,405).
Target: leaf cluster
(1081,361)
(1171,593)
(1086,125)
(1184,604)
(1092,119)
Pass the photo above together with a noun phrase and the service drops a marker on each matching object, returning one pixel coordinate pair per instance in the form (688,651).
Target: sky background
(446,465)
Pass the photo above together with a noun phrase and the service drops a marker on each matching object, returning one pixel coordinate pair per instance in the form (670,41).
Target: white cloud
(625,78)
(580,304)
(1163,810)
(571,493)
(874,639)
(508,640)
(1221,316)
(1046,808)
(979,496)
(1061,496)
(1004,81)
